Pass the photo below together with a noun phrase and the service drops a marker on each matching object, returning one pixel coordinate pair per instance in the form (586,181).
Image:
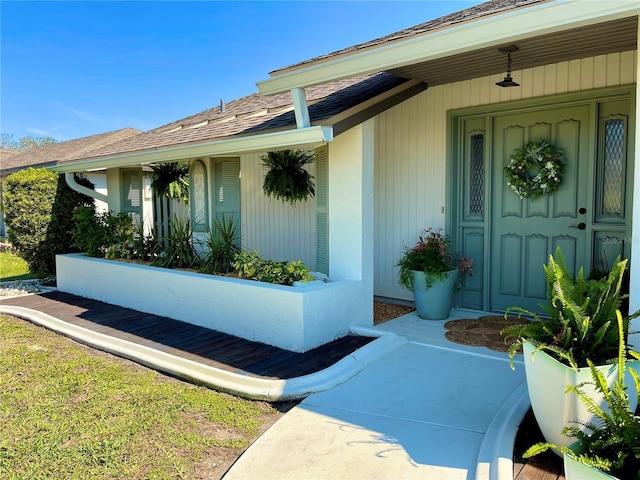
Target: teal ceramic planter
(434,302)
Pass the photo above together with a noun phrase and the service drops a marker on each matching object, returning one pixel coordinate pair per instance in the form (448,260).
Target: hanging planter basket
(287,179)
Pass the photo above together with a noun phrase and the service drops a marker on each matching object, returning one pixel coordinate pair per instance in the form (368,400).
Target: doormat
(481,332)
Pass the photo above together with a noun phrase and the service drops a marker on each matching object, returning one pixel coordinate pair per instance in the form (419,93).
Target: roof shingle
(61,152)
(473,13)
(255,113)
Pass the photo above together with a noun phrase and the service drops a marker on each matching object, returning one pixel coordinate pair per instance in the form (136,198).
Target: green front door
(524,232)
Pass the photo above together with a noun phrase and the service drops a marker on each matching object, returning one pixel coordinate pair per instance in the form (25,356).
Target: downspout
(71,181)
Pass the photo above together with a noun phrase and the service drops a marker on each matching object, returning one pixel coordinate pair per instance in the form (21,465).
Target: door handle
(580,226)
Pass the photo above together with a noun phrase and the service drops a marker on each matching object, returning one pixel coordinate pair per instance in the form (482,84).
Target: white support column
(113,189)
(351,160)
(634,281)
(301,108)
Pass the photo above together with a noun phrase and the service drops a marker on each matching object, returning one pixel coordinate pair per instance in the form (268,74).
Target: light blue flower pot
(434,302)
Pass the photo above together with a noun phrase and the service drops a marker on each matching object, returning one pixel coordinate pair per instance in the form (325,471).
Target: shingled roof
(255,113)
(473,13)
(60,152)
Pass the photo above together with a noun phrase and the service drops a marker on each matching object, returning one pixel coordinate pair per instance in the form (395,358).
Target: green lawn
(13,267)
(68,411)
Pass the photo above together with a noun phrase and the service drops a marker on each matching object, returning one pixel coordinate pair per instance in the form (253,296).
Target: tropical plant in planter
(286,178)
(430,270)
(221,244)
(611,444)
(580,327)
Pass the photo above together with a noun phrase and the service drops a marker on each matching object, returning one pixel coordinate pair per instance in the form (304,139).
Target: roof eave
(510,26)
(255,143)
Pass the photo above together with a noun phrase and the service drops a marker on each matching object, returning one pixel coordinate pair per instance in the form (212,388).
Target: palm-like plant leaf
(613,443)
(171,180)
(581,316)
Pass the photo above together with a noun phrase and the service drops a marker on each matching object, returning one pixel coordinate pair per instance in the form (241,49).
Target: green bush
(177,247)
(39,207)
(253,267)
(104,234)
(221,246)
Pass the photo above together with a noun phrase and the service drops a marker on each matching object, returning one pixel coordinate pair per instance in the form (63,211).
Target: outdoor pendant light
(508,81)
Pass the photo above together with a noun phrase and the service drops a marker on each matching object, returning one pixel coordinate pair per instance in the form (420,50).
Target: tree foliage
(39,208)
(7,142)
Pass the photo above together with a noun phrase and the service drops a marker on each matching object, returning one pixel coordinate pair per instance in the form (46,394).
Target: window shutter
(227,190)
(322,209)
(132,195)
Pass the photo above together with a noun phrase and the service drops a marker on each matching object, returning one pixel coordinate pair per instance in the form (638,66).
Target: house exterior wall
(114,195)
(411,148)
(279,230)
(99,181)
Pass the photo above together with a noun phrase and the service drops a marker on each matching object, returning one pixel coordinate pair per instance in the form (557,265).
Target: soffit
(600,39)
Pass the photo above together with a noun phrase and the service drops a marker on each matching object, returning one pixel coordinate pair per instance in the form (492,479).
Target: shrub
(253,267)
(177,247)
(103,234)
(221,246)
(39,207)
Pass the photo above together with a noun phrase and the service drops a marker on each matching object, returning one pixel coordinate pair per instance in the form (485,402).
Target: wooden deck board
(188,341)
(547,466)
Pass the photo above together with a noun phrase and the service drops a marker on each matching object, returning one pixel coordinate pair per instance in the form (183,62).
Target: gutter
(491,30)
(255,143)
(71,181)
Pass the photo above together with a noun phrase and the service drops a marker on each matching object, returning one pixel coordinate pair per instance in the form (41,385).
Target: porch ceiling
(600,39)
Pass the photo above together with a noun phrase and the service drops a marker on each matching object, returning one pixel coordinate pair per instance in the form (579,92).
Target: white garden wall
(293,318)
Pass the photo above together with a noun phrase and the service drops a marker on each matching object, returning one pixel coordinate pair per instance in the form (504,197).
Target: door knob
(580,226)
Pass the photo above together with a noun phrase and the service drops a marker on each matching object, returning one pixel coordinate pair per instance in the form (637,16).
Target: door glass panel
(613,168)
(199,195)
(476,175)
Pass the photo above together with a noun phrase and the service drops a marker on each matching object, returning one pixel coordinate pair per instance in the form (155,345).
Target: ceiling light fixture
(508,81)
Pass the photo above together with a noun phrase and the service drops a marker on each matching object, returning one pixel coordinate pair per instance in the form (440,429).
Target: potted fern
(286,177)
(579,328)
(610,446)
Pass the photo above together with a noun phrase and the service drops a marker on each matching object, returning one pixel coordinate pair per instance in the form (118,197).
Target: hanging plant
(535,169)
(287,179)
(171,180)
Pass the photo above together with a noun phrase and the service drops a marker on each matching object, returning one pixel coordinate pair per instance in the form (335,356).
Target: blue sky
(72,69)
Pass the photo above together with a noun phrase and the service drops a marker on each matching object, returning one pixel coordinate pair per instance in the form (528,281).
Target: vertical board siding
(410,165)
(279,230)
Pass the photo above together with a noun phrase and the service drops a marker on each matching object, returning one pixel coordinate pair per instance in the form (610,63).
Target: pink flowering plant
(431,255)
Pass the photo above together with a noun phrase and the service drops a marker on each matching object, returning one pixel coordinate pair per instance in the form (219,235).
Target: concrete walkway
(409,405)
(430,409)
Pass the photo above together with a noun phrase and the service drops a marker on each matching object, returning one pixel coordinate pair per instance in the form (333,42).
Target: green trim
(456,118)
(539,103)
(125,204)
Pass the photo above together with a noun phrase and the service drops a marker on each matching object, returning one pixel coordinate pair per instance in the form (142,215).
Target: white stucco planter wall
(293,318)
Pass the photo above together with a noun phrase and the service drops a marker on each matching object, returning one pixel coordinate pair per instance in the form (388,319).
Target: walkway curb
(237,384)
(495,458)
